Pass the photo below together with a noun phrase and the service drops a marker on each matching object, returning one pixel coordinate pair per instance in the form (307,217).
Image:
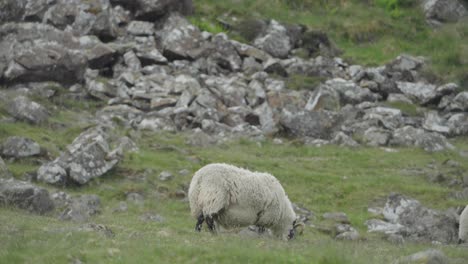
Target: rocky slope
(153,70)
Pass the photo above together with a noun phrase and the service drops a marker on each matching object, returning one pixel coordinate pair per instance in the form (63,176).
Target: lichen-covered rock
(350,93)
(82,208)
(37,52)
(407,217)
(318,124)
(180,39)
(24,195)
(429,141)
(19,147)
(24,109)
(275,40)
(444,10)
(89,156)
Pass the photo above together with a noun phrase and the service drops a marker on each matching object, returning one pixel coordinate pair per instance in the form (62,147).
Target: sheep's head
(297,229)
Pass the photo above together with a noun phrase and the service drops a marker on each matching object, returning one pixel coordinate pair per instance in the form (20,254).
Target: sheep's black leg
(261,229)
(200,220)
(210,223)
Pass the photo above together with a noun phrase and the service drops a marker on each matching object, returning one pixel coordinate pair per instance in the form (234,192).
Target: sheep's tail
(213,200)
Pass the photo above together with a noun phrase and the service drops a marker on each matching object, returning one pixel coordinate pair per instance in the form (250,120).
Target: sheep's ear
(299,227)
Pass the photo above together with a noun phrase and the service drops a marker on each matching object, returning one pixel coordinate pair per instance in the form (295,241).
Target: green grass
(369,32)
(322,179)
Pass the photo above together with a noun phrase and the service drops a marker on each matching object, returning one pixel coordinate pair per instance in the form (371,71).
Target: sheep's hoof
(199,224)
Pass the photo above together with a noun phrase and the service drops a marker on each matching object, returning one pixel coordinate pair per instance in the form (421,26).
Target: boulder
(19,147)
(442,11)
(407,217)
(458,124)
(420,93)
(350,92)
(36,52)
(24,109)
(275,40)
(82,208)
(459,102)
(433,122)
(429,141)
(12,10)
(25,195)
(140,28)
(376,137)
(180,39)
(89,156)
(317,124)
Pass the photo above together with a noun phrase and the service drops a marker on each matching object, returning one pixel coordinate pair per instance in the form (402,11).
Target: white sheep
(229,196)
(463,227)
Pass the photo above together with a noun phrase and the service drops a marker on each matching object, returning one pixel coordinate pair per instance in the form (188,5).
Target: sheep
(463,227)
(225,195)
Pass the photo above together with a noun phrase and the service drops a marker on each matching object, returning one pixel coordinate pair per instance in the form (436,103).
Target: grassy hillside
(321,179)
(370,32)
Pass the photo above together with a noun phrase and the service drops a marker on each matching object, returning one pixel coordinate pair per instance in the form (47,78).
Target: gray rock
(245,50)
(346,232)
(429,141)
(265,115)
(122,207)
(350,93)
(165,176)
(82,208)
(37,52)
(180,39)
(26,196)
(61,199)
(422,93)
(88,157)
(101,56)
(19,147)
(274,66)
(24,109)
(342,139)
(407,217)
(4,172)
(251,66)
(458,124)
(387,117)
(459,102)
(275,40)
(444,10)
(151,56)
(320,124)
(324,98)
(376,137)
(405,62)
(11,10)
(140,28)
(430,256)
(225,53)
(433,122)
